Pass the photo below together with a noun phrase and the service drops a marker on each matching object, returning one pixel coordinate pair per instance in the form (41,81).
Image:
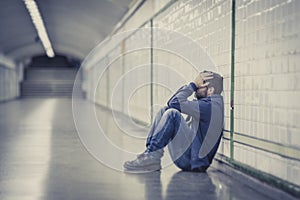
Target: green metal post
(107,86)
(123,72)
(232,82)
(151,70)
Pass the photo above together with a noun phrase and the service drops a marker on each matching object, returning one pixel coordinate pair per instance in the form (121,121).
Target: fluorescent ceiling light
(39,26)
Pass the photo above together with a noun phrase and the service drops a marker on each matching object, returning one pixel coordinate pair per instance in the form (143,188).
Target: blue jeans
(170,128)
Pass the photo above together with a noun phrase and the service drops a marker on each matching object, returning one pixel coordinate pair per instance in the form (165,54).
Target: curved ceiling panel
(34,49)
(74,26)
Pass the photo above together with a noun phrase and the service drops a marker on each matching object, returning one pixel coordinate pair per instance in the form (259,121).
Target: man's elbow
(174,105)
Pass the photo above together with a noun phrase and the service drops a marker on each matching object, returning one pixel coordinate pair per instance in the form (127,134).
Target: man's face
(201,92)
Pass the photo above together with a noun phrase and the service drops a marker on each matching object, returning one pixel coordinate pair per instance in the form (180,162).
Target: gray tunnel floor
(42,157)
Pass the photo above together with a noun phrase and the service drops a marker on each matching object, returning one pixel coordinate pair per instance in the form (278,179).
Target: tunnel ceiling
(74,26)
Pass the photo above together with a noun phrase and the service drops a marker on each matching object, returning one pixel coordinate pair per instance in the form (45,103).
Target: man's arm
(180,102)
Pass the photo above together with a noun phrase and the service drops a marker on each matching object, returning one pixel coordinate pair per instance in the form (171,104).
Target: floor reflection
(152,185)
(182,185)
(190,185)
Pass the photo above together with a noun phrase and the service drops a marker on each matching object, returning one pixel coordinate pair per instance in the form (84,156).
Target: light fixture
(39,26)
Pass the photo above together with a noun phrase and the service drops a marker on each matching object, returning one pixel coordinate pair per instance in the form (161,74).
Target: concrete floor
(42,157)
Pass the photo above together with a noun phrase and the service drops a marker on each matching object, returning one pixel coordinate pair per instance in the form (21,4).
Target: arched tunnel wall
(266,89)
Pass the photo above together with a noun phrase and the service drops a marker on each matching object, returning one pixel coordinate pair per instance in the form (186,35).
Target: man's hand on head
(202,78)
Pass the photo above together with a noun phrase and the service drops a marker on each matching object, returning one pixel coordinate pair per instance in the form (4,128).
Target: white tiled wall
(115,67)
(99,85)
(273,164)
(267,74)
(137,75)
(9,83)
(120,79)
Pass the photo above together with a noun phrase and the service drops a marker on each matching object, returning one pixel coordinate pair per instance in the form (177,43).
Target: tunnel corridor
(82,81)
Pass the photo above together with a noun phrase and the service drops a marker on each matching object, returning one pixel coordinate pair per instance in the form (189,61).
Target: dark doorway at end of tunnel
(52,78)
(57,61)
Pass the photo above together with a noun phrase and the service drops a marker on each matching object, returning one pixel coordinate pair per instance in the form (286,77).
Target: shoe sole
(147,168)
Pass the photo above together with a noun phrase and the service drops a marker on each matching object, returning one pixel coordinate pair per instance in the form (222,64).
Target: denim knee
(163,109)
(172,111)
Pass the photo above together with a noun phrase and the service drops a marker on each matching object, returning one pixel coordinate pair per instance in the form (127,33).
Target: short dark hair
(216,82)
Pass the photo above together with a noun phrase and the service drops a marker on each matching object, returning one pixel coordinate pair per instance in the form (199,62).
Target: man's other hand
(202,78)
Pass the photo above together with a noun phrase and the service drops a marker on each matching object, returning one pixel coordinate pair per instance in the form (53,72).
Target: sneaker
(145,162)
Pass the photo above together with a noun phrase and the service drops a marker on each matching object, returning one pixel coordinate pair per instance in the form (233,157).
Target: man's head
(212,86)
